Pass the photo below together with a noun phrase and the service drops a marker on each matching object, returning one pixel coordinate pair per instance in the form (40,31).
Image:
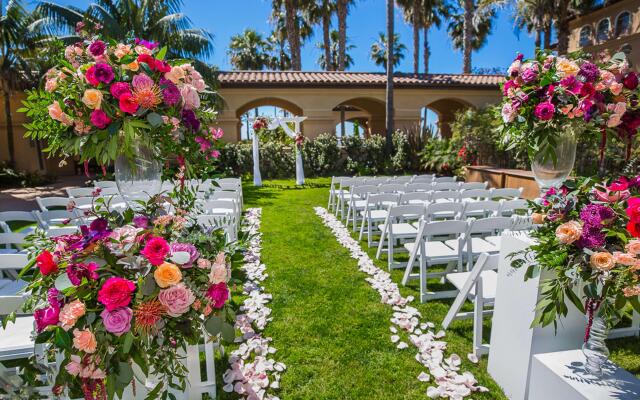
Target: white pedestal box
(561,375)
(513,341)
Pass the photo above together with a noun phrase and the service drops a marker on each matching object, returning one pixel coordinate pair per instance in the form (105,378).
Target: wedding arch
(274,123)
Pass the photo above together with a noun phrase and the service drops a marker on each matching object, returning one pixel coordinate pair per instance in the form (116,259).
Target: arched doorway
(369,112)
(267,106)
(441,113)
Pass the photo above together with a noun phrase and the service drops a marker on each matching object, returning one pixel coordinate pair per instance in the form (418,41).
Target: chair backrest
(401,179)
(80,192)
(363,191)
(10,240)
(382,200)
(439,186)
(449,209)
(105,184)
(506,193)
(208,205)
(522,223)
(427,230)
(514,206)
(449,195)
(49,218)
(47,203)
(475,194)
(423,179)
(83,203)
(490,225)
(418,187)
(473,185)
(406,212)
(347,183)
(485,262)
(109,191)
(15,216)
(444,179)
(415,198)
(487,207)
(224,195)
(377,181)
(391,188)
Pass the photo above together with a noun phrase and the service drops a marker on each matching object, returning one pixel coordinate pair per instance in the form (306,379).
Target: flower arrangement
(550,94)
(588,235)
(104,97)
(260,124)
(128,291)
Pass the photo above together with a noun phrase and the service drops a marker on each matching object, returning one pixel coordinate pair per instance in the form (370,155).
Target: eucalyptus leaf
(125,372)
(213,325)
(180,257)
(228,332)
(62,282)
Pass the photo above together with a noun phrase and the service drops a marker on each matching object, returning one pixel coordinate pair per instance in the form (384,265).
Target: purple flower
(103,73)
(97,48)
(596,214)
(635,182)
(149,45)
(97,230)
(45,317)
(544,111)
(190,120)
(571,84)
(141,221)
(529,75)
(592,236)
(54,297)
(187,248)
(589,72)
(117,321)
(76,272)
(170,92)
(141,81)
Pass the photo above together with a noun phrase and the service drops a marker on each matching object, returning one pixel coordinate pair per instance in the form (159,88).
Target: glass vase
(138,178)
(595,348)
(552,173)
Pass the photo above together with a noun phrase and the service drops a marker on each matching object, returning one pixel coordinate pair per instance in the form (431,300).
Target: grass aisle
(328,325)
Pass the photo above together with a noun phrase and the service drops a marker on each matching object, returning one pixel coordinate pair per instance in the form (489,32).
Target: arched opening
(444,111)
(269,107)
(586,34)
(367,112)
(602,33)
(623,23)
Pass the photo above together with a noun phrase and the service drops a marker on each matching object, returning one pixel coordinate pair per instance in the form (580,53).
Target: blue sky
(225,18)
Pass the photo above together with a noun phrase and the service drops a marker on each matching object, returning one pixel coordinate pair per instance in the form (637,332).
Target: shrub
(321,156)
(440,156)
(9,177)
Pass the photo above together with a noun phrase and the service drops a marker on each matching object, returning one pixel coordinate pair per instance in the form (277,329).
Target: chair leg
(391,244)
(423,274)
(478,309)
(412,260)
(455,308)
(362,222)
(369,233)
(381,242)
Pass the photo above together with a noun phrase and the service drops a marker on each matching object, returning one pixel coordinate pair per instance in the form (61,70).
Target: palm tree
(332,65)
(342,10)
(391,62)
(249,50)
(413,15)
(320,12)
(532,15)
(160,21)
(291,22)
(470,28)
(280,59)
(379,50)
(21,32)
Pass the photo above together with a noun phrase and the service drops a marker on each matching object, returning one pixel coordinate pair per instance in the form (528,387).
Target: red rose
(155,250)
(147,59)
(46,263)
(161,66)
(90,76)
(116,292)
(633,211)
(218,293)
(128,104)
(630,80)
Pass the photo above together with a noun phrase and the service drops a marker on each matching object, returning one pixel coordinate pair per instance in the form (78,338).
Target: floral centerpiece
(588,238)
(549,100)
(128,293)
(105,98)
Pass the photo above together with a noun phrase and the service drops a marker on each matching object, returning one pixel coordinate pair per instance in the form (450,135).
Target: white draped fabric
(276,122)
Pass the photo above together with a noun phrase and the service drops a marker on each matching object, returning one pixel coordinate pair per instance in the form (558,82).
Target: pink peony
(120,88)
(544,111)
(155,250)
(218,293)
(117,321)
(116,292)
(177,299)
(100,119)
(45,317)
(190,97)
(128,104)
(141,81)
(97,48)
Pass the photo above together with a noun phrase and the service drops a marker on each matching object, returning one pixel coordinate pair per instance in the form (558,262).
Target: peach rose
(631,291)
(566,67)
(175,75)
(70,314)
(84,340)
(633,247)
(569,232)
(602,260)
(167,274)
(538,218)
(132,66)
(51,85)
(56,113)
(219,272)
(92,98)
(627,259)
(122,50)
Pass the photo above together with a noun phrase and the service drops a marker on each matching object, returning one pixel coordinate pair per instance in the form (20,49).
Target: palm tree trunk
(292,36)
(538,39)
(467,35)
(9,120)
(416,37)
(547,33)
(427,52)
(389,97)
(563,27)
(326,21)
(342,34)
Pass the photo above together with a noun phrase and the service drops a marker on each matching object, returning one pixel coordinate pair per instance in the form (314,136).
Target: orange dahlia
(147,96)
(147,315)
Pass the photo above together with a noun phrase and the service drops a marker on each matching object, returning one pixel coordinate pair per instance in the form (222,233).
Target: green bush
(321,156)
(9,177)
(441,156)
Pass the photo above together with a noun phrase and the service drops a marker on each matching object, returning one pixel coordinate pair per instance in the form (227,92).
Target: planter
(140,178)
(550,172)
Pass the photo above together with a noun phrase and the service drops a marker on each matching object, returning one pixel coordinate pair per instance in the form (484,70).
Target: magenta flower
(529,75)
(45,317)
(155,250)
(589,72)
(170,92)
(76,272)
(120,88)
(103,73)
(630,80)
(97,48)
(187,248)
(544,111)
(204,143)
(117,321)
(218,293)
(116,292)
(100,119)
(149,45)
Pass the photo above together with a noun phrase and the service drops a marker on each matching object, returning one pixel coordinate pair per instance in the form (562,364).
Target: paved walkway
(24,199)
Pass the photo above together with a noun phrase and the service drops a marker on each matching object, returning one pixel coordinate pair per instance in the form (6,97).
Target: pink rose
(218,293)
(117,321)
(633,247)
(119,88)
(155,250)
(116,292)
(177,299)
(627,259)
(219,272)
(190,97)
(100,119)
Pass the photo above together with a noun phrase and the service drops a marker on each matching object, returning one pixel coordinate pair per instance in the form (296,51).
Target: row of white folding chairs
(53,222)
(111,202)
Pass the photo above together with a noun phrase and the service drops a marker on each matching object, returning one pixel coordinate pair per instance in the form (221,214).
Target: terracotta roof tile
(349,79)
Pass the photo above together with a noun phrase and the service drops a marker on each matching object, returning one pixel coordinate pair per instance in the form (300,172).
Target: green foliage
(441,156)
(10,177)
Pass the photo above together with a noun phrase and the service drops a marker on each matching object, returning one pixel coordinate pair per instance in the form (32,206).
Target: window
(623,23)
(585,36)
(603,30)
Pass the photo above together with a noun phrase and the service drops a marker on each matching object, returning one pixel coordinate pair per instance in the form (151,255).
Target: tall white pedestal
(513,342)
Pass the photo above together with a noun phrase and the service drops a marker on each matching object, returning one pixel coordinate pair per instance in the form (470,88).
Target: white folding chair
(377,181)
(513,206)
(344,195)
(423,179)
(478,229)
(441,179)
(358,202)
(445,196)
(51,203)
(11,243)
(505,193)
(430,249)
(440,186)
(481,209)
(444,210)
(418,187)
(479,286)
(475,194)
(334,190)
(12,264)
(81,192)
(473,185)
(105,184)
(54,222)
(25,218)
(109,191)
(401,179)
(392,188)
(375,211)
(518,223)
(415,198)
(397,228)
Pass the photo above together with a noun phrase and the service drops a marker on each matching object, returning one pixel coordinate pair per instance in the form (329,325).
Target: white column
(257,178)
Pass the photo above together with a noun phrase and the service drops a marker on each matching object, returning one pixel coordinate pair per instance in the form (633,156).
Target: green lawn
(329,326)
